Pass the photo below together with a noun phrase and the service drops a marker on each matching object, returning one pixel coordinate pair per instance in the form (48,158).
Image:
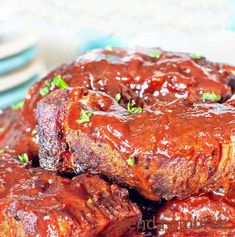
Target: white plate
(21,76)
(12,45)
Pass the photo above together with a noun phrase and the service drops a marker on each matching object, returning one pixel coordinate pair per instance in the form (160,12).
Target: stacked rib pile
(160,123)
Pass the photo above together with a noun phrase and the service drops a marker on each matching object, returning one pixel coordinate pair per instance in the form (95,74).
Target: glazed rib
(168,150)
(16,133)
(205,215)
(36,203)
(137,75)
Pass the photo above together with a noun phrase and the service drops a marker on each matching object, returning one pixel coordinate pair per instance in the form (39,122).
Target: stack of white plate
(19,67)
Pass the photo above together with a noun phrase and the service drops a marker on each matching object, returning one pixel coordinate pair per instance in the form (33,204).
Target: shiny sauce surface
(162,129)
(136,74)
(212,214)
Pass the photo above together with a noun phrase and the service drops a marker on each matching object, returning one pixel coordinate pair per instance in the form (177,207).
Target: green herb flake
(59,82)
(211,96)
(48,83)
(196,56)
(18,106)
(23,158)
(84,117)
(44,91)
(118,97)
(132,109)
(130,161)
(155,54)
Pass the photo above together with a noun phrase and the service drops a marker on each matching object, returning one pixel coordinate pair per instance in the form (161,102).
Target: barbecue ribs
(34,202)
(206,215)
(166,150)
(141,75)
(17,134)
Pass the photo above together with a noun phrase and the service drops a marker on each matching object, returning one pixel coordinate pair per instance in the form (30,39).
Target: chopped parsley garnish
(130,161)
(48,83)
(132,109)
(196,56)
(18,105)
(211,96)
(118,97)
(23,158)
(59,82)
(84,117)
(44,91)
(155,53)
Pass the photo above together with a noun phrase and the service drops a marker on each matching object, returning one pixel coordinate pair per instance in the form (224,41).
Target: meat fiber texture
(168,150)
(34,202)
